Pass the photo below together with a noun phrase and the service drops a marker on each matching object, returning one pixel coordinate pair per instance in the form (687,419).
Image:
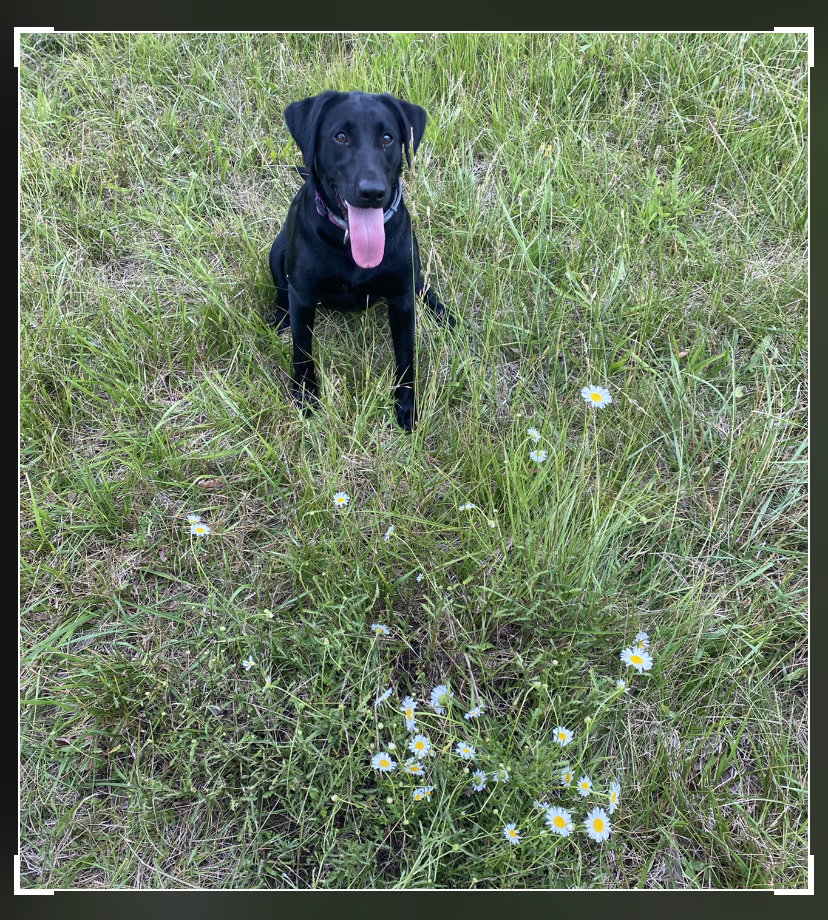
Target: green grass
(628,211)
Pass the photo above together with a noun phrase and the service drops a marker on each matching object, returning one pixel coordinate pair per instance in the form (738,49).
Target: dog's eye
(386,140)
(341,137)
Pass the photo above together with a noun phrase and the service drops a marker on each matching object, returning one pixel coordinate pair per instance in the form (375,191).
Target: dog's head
(352,145)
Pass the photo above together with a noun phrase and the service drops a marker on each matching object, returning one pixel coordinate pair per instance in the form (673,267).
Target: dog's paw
(445,316)
(306,398)
(278,320)
(406,413)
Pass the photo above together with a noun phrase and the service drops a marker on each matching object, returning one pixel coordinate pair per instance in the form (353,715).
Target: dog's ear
(413,120)
(302,119)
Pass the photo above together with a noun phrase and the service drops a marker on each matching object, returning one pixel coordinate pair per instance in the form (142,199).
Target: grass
(624,211)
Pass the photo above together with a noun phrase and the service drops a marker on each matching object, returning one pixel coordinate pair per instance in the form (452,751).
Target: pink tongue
(367,232)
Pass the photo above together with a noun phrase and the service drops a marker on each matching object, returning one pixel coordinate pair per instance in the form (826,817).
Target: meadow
(217,655)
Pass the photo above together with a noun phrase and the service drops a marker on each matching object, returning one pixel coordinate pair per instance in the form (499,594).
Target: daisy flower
(561,735)
(500,776)
(622,685)
(511,834)
(584,786)
(534,434)
(194,518)
(382,697)
(440,698)
(559,820)
(419,745)
(199,530)
(467,507)
(341,499)
(642,640)
(420,577)
(383,762)
(615,796)
(424,792)
(466,751)
(267,684)
(537,455)
(566,778)
(478,780)
(388,533)
(248,663)
(597,397)
(473,713)
(407,709)
(637,658)
(597,824)
(541,806)
(412,766)
(378,628)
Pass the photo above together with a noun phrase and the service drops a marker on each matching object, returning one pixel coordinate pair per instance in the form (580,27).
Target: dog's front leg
(305,389)
(401,321)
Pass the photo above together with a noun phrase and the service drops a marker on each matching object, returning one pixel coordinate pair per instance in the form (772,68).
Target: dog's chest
(343,292)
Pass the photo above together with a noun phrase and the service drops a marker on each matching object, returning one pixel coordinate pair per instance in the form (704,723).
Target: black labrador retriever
(347,240)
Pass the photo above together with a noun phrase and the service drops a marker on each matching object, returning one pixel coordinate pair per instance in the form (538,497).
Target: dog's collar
(324,211)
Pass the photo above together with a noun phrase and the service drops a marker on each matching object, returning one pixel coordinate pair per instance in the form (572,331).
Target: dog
(347,240)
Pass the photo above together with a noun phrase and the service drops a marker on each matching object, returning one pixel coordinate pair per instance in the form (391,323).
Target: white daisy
(388,533)
(597,397)
(615,796)
(478,780)
(267,684)
(566,778)
(467,507)
(473,713)
(622,685)
(420,577)
(511,834)
(383,762)
(248,663)
(637,658)
(597,824)
(194,518)
(419,745)
(379,629)
(440,698)
(534,434)
(559,820)
(341,499)
(413,767)
(541,806)
(642,640)
(382,697)
(584,786)
(500,776)
(466,751)
(407,709)
(424,792)
(199,530)
(537,455)
(561,735)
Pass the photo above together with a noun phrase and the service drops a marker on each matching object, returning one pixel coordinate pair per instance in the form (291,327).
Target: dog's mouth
(366,230)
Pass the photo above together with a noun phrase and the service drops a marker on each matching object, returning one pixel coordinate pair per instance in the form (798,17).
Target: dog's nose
(371,193)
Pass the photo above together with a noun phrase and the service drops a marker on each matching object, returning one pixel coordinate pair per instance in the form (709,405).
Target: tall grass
(626,211)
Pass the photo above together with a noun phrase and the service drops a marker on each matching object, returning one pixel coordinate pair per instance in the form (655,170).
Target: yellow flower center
(612,798)
(636,659)
(408,713)
(561,736)
(383,763)
(567,777)
(597,825)
(418,745)
(595,397)
(513,833)
(558,821)
(584,785)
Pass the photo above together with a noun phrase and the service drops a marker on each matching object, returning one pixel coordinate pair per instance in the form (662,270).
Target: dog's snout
(371,192)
